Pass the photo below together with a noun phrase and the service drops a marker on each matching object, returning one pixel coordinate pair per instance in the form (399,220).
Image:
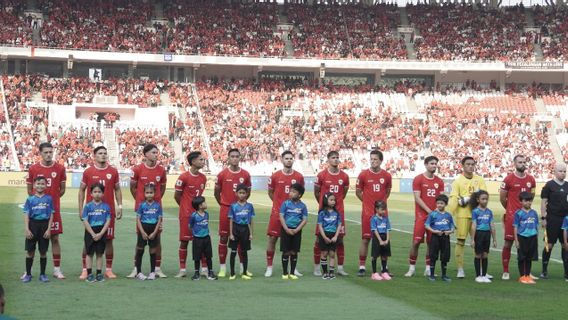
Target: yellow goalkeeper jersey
(464,187)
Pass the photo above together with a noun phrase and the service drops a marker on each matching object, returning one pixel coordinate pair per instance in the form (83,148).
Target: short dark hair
(466,158)
(38,178)
(150,186)
(233,150)
(325,200)
(99,148)
(518,156)
(44,145)
(149,147)
(98,185)
(332,153)
(197,201)
(526,196)
(379,204)
(286,153)
(378,153)
(298,187)
(442,197)
(430,158)
(241,186)
(192,156)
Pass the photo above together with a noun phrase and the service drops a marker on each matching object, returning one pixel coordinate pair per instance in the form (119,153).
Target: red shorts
(185,233)
(110,230)
(274,225)
(508,226)
(56,224)
(420,229)
(342,230)
(224,221)
(366,226)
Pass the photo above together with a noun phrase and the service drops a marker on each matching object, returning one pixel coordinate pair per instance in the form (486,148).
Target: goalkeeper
(462,188)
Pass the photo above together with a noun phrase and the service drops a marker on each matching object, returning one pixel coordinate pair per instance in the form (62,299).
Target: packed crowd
(445,32)
(470,32)
(99,25)
(213,28)
(492,136)
(333,31)
(15,29)
(144,93)
(132,141)
(553,23)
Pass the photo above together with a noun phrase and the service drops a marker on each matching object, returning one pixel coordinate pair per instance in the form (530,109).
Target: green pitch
(261,298)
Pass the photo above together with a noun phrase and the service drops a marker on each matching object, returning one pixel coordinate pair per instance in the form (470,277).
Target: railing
(16,165)
(212,164)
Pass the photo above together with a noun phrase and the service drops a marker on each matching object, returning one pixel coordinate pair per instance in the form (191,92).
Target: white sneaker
(132,274)
(204,271)
(427,271)
(151,276)
(461,274)
(505,276)
(57,274)
(298,273)
(479,279)
(341,271)
(533,277)
(141,276)
(181,274)
(268,272)
(486,280)
(488,276)
(160,273)
(411,271)
(317,270)
(23,276)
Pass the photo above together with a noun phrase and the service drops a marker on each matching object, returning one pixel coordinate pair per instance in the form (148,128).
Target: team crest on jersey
(109,176)
(340,182)
(54,174)
(529,185)
(381,180)
(241,180)
(436,185)
(293,181)
(158,178)
(179,183)
(202,186)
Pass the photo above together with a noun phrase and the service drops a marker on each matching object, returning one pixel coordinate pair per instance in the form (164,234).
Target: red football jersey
(191,186)
(228,182)
(374,187)
(143,175)
(55,175)
(108,176)
(280,183)
(429,189)
(514,185)
(334,183)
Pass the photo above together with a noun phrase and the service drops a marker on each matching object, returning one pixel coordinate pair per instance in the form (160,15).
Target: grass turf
(308,298)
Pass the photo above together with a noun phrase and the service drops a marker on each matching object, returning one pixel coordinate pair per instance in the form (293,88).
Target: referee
(554,207)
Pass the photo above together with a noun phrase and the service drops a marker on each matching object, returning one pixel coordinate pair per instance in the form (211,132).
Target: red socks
(56,260)
(182,253)
(222,248)
(340,254)
(505,257)
(269,258)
